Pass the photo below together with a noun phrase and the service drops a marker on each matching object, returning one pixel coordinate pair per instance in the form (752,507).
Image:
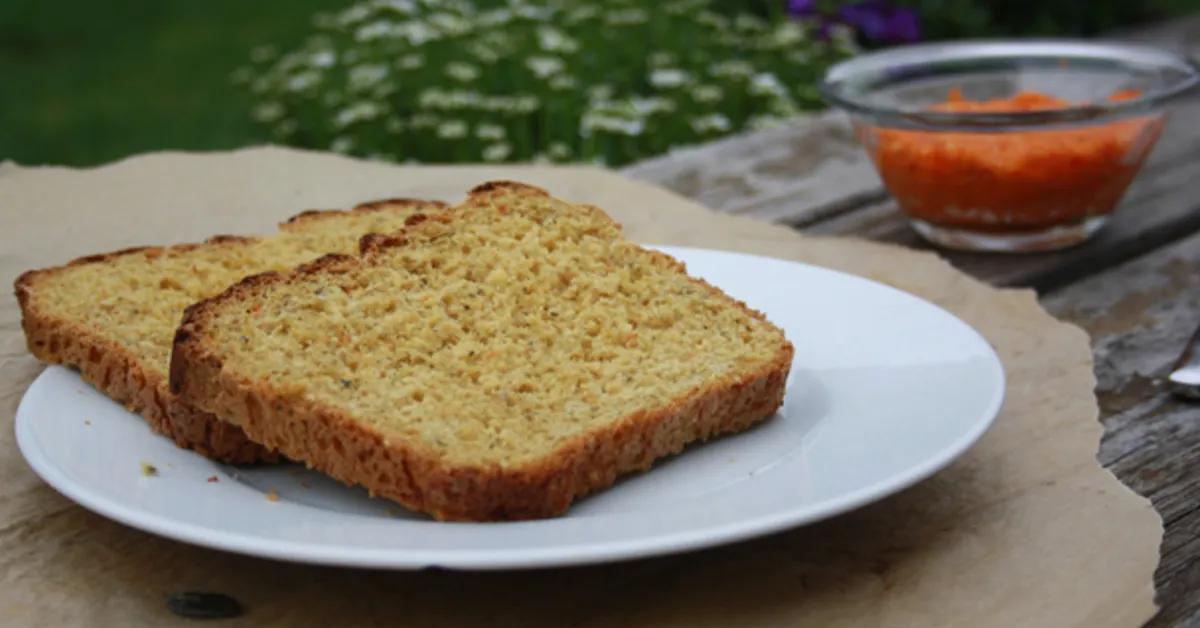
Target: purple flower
(879,20)
(876,20)
(802,7)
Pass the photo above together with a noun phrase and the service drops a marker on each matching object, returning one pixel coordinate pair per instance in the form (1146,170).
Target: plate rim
(528,558)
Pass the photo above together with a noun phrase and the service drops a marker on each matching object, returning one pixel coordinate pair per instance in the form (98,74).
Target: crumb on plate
(149,470)
(213,478)
(272,495)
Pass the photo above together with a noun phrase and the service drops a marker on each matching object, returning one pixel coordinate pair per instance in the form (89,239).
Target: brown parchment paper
(1025,530)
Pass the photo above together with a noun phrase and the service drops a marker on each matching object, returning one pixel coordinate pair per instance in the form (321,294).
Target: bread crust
(122,376)
(370,206)
(333,442)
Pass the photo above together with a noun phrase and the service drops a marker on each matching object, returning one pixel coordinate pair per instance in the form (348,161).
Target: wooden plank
(1139,316)
(797,173)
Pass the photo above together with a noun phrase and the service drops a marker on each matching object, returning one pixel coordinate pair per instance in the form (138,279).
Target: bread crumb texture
(114,315)
(137,299)
(492,337)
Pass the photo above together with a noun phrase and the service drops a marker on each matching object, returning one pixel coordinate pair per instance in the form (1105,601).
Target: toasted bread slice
(492,362)
(113,316)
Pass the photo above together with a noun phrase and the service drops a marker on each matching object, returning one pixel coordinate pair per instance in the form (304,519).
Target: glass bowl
(1009,146)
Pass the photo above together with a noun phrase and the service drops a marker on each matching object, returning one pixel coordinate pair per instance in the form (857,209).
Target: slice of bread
(491,362)
(113,316)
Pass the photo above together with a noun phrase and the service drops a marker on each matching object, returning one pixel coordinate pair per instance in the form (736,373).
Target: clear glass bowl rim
(834,87)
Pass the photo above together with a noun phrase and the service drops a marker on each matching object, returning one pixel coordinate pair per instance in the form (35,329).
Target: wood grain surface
(1135,288)
(1139,316)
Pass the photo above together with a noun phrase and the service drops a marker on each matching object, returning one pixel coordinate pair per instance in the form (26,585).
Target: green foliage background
(87,82)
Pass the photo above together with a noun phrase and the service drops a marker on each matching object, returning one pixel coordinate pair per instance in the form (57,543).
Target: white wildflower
(582,14)
(393,125)
(290,61)
(342,145)
(452,130)
(417,33)
(261,85)
(449,24)
(684,7)
(268,112)
(303,81)
(661,59)
(600,92)
(667,78)
(450,100)
(712,123)
(747,22)
(766,84)
(423,121)
(731,69)
(399,6)
(322,59)
(644,107)
(799,56)
(842,37)
(460,71)
(553,40)
(707,94)
(495,17)
(782,105)
(519,103)
(626,17)
(558,151)
(364,77)
(713,19)
(381,91)
(563,82)
(483,52)
(532,12)
(485,131)
(371,31)
(497,152)
(593,121)
(357,112)
(500,41)
(354,15)
(544,67)
(787,34)
(410,62)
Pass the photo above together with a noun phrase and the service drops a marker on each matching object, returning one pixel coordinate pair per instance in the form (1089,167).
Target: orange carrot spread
(1023,180)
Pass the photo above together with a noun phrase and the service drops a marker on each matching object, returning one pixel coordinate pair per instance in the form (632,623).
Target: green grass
(88,82)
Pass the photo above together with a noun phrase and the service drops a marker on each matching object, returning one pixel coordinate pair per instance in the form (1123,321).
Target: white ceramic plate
(885,390)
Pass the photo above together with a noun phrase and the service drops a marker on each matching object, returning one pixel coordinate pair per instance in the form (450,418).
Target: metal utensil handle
(1184,379)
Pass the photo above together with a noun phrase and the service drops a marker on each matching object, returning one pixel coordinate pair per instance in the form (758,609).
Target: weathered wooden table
(1135,288)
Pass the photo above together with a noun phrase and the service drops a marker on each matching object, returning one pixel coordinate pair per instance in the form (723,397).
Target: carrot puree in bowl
(1016,180)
